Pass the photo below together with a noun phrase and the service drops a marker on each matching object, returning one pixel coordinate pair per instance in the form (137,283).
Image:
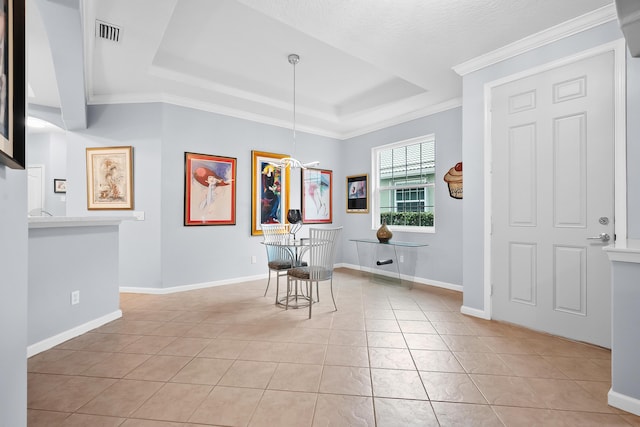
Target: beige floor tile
(398,384)
(173,329)
(410,315)
(228,406)
(336,410)
(131,327)
(304,353)
(580,368)
(451,387)
(483,363)
(465,343)
(385,339)
(121,398)
(508,391)
(433,360)
(202,370)
(158,368)
(263,351)
(379,314)
(38,418)
(390,358)
(380,325)
(92,341)
(173,402)
(83,420)
(416,327)
(511,416)
(528,365)
(348,322)
(150,344)
(223,349)
(425,342)
(284,409)
(452,328)
(296,377)
(567,395)
(74,363)
(464,414)
(69,395)
(347,356)
(508,345)
(117,365)
(444,316)
(633,420)
(346,380)
(405,413)
(185,347)
(344,337)
(309,336)
(252,374)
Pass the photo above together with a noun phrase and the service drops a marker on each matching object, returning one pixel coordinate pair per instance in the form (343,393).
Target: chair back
(322,252)
(275,233)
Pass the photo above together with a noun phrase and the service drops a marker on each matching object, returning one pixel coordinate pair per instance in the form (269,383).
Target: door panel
(552,179)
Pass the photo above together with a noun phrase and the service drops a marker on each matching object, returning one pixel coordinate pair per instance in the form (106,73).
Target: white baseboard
(482,314)
(184,288)
(624,402)
(53,341)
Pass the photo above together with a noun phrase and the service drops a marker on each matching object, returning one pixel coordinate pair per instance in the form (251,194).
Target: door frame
(618,48)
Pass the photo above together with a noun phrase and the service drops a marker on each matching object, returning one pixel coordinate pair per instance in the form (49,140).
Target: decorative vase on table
(294,216)
(384,234)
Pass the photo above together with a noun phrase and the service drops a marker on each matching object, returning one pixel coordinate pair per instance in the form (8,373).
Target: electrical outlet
(253,259)
(75,297)
(401,258)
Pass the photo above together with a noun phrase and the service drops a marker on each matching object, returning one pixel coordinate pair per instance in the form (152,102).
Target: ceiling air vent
(107,31)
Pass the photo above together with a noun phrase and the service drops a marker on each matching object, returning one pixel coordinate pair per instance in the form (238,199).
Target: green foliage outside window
(418,219)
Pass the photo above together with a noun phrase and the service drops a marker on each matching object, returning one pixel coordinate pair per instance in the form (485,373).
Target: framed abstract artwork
(12,83)
(317,196)
(358,194)
(110,178)
(209,190)
(269,190)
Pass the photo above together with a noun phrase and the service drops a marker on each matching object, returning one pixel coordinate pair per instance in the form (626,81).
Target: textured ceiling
(364,63)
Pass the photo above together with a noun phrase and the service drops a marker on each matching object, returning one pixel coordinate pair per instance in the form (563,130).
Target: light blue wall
(13,297)
(442,260)
(473,149)
(199,254)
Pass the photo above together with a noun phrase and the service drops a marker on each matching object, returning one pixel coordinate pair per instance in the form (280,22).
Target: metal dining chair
(279,258)
(322,254)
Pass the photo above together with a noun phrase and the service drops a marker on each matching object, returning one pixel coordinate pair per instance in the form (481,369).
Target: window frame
(376,189)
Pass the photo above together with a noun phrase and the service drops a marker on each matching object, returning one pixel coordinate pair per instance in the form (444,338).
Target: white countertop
(76,221)
(624,251)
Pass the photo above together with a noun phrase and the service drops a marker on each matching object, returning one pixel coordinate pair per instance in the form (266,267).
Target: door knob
(603,237)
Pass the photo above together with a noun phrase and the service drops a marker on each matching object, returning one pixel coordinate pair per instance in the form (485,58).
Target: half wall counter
(73,277)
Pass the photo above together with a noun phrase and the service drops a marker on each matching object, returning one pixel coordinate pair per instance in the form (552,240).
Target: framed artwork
(12,83)
(59,185)
(317,196)
(358,193)
(110,178)
(269,190)
(209,190)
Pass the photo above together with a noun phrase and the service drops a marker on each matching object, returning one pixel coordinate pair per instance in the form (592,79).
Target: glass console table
(388,262)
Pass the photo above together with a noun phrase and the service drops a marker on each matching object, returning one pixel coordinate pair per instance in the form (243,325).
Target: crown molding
(573,26)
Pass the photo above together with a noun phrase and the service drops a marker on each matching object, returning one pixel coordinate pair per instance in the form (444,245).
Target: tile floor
(227,356)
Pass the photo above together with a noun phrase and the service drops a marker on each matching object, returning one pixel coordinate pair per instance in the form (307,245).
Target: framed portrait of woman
(269,190)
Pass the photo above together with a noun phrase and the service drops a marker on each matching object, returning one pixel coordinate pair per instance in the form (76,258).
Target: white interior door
(553,195)
(35,190)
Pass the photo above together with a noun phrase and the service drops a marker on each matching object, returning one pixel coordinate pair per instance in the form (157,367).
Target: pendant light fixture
(292,162)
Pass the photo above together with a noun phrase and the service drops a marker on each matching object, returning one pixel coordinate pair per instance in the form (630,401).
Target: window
(403,184)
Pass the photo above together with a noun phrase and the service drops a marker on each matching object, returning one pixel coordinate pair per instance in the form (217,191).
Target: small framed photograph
(269,190)
(59,185)
(110,178)
(358,194)
(317,196)
(209,190)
